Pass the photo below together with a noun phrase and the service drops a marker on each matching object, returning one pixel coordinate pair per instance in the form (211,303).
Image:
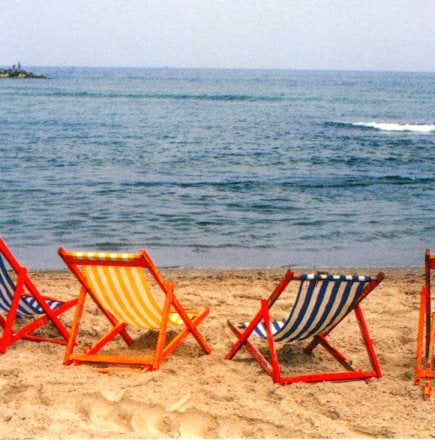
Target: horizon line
(224,68)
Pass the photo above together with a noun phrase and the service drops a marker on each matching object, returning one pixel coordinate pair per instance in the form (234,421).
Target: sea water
(219,168)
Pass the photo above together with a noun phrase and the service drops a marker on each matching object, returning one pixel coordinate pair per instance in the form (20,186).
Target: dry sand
(196,395)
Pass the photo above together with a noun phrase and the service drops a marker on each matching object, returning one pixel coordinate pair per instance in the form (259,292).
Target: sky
(392,35)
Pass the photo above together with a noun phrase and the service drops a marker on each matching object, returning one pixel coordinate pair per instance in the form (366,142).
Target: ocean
(219,168)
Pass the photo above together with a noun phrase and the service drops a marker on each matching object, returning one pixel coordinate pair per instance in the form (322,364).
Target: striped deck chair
(426,332)
(322,302)
(21,302)
(118,285)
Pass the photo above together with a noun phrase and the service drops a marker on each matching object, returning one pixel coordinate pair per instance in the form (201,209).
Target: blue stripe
(342,303)
(298,297)
(312,284)
(37,309)
(7,295)
(315,311)
(260,329)
(358,291)
(328,307)
(4,277)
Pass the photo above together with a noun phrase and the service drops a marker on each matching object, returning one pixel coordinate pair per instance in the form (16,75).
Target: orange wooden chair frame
(426,332)
(162,349)
(26,288)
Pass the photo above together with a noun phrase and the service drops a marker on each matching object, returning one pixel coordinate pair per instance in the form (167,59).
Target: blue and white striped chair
(322,302)
(21,299)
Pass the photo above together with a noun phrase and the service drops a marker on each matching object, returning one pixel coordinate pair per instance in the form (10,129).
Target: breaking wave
(394,126)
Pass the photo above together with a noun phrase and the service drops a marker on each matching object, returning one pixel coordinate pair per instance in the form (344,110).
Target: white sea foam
(394,126)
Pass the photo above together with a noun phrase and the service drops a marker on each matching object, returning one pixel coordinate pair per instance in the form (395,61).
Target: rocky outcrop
(18,73)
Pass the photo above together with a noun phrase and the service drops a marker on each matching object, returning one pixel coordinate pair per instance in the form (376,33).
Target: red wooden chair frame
(162,349)
(426,331)
(24,287)
(273,368)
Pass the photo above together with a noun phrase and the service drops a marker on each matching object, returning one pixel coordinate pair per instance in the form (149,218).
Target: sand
(197,395)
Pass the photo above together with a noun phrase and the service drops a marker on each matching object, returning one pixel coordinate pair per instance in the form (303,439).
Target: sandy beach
(196,395)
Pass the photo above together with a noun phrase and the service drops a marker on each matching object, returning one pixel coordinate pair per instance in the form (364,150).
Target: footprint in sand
(111,417)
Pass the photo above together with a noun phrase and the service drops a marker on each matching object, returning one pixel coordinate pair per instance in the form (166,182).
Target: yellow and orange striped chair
(118,285)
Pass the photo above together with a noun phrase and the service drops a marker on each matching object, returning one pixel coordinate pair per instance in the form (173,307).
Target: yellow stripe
(119,296)
(124,292)
(158,310)
(121,286)
(103,292)
(134,296)
(93,281)
(150,308)
(102,288)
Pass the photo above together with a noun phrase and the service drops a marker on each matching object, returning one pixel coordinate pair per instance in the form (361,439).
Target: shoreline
(278,269)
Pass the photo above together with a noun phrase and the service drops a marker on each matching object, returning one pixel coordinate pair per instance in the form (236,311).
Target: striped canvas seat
(124,292)
(28,305)
(20,298)
(321,302)
(260,329)
(118,283)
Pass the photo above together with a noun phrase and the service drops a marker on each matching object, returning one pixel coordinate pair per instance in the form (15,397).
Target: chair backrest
(323,300)
(27,306)
(118,283)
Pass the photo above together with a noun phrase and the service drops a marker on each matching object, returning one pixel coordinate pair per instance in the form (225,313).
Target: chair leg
(9,323)
(176,340)
(429,372)
(276,373)
(252,349)
(243,336)
(2,324)
(367,341)
(420,336)
(188,323)
(163,329)
(75,327)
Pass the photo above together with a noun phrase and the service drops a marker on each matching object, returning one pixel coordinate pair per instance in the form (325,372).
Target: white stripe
(349,301)
(295,312)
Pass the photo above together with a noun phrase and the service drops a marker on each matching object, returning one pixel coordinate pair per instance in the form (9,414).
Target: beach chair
(426,331)
(118,285)
(21,303)
(322,302)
